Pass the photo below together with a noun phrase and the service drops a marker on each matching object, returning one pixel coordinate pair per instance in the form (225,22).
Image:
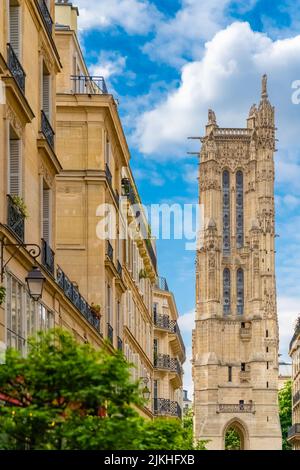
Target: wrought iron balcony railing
(15,218)
(47,130)
(165,407)
(294,431)
(16,68)
(162,284)
(48,257)
(296,398)
(109,251)
(110,333)
(236,408)
(46,16)
(73,294)
(120,344)
(108,174)
(164,322)
(128,191)
(89,85)
(164,361)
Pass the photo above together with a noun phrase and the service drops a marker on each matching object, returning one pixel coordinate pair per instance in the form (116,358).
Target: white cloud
(134,16)
(186,322)
(195,22)
(227,78)
(288,311)
(109,64)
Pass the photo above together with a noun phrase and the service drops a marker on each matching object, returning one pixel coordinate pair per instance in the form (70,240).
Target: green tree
(232,440)
(285,412)
(68,393)
(68,396)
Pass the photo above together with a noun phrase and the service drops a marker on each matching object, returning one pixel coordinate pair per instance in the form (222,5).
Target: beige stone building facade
(294,431)
(64,163)
(29,64)
(235,340)
(169,353)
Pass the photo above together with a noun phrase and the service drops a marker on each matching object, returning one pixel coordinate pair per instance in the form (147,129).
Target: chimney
(66,14)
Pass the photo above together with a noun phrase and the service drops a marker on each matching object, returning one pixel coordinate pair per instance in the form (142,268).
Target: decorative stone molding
(14,120)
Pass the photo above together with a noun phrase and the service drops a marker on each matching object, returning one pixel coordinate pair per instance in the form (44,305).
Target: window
(240,291)
(267,365)
(239,209)
(229,373)
(46,203)
(243,366)
(226,212)
(14,168)
(243,325)
(14,28)
(155,347)
(119,318)
(46,93)
(108,304)
(267,349)
(267,333)
(24,316)
(155,389)
(267,384)
(226,291)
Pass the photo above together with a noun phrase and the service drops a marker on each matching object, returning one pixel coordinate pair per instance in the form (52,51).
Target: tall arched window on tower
(226,291)
(226,211)
(239,209)
(240,291)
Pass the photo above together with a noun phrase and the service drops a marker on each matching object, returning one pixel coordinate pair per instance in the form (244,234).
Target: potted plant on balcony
(96,310)
(20,204)
(143,274)
(2,294)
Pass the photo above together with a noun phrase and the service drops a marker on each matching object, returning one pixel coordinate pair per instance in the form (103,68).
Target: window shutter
(46,95)
(14,29)
(46,215)
(14,168)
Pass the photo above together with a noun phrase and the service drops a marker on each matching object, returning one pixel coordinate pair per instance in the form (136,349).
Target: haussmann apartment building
(63,158)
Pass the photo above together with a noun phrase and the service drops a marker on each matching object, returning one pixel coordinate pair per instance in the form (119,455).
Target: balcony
(161,283)
(47,130)
(296,398)
(128,191)
(165,407)
(162,321)
(16,68)
(46,16)
(108,174)
(109,251)
(89,85)
(236,408)
(72,293)
(165,362)
(294,432)
(110,333)
(15,219)
(120,344)
(48,256)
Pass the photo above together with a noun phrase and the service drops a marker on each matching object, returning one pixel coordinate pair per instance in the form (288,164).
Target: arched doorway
(235,436)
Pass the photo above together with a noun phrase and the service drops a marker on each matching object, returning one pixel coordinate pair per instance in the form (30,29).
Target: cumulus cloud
(186,322)
(227,78)
(134,16)
(109,64)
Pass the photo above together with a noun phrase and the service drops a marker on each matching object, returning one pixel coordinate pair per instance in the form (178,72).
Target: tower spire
(264,90)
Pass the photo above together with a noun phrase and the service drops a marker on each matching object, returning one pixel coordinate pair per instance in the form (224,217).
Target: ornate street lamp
(35,282)
(145,391)
(35,279)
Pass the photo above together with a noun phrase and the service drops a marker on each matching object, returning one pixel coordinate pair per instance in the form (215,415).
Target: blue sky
(168,62)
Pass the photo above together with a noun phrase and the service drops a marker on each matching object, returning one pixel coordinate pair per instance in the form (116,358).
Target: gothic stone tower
(235,341)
